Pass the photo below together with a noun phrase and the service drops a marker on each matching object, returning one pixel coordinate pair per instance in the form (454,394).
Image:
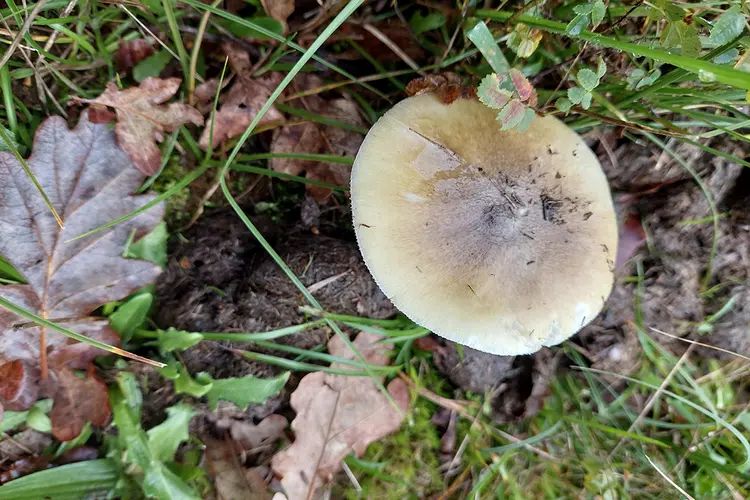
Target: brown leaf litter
(239,107)
(88,179)
(279,10)
(337,415)
(131,52)
(142,118)
(309,137)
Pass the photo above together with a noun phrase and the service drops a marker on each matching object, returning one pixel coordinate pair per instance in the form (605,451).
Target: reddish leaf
(18,389)
(523,86)
(243,102)
(512,114)
(142,118)
(632,237)
(447,86)
(100,114)
(337,415)
(77,399)
(88,179)
(131,52)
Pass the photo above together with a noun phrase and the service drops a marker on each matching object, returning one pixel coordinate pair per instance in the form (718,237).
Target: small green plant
(515,99)
(586,15)
(583,94)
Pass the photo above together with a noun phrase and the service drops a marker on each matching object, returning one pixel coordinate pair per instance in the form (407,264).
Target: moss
(404,465)
(176,210)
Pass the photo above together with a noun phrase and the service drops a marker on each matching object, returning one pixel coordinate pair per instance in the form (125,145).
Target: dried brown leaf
(279,9)
(131,52)
(142,118)
(337,415)
(88,179)
(244,100)
(251,436)
(77,399)
(232,480)
(314,138)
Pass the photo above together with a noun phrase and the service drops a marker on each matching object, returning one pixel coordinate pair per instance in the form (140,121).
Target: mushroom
(501,241)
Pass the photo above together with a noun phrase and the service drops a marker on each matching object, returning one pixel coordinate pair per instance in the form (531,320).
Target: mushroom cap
(501,241)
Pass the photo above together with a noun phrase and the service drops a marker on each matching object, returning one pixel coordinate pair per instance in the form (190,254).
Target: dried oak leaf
(337,415)
(142,118)
(233,481)
(88,179)
(315,138)
(447,86)
(243,101)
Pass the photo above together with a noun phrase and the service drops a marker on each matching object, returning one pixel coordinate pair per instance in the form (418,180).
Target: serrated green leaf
(131,315)
(38,421)
(242,391)
(598,10)
(511,115)
(152,247)
(564,104)
(683,35)
(160,482)
(152,66)
(185,384)
(586,101)
(165,438)
(587,79)
(601,68)
(490,94)
(727,27)
(90,479)
(528,117)
(575,94)
(421,24)
(585,8)
(578,24)
(177,340)
(665,9)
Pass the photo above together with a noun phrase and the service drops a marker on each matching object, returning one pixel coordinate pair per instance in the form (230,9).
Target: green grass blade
(89,479)
(75,336)
(166,194)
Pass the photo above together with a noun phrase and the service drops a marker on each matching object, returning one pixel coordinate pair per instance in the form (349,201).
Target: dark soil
(219,279)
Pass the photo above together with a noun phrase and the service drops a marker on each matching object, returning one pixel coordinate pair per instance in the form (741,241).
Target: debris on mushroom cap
(502,241)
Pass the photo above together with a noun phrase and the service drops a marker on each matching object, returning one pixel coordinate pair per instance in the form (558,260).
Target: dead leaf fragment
(233,481)
(131,52)
(243,101)
(251,436)
(279,9)
(315,138)
(142,118)
(77,399)
(88,179)
(337,415)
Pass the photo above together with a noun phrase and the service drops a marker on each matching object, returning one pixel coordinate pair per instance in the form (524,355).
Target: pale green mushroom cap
(501,241)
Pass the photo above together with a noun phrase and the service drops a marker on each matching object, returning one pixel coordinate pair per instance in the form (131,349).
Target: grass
(589,440)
